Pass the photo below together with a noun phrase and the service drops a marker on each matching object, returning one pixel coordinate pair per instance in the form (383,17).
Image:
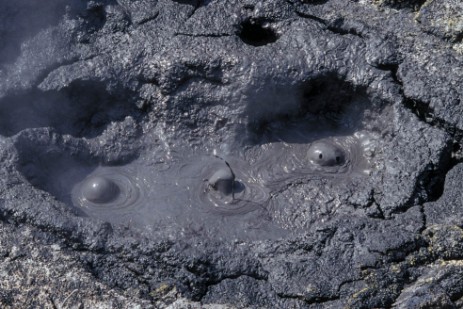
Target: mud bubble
(109,189)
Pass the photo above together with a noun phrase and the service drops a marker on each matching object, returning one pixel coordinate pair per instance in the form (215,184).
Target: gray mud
(231,154)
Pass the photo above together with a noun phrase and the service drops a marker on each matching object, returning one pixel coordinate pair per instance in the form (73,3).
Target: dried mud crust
(252,85)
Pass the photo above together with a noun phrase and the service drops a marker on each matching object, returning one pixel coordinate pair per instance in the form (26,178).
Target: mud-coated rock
(215,114)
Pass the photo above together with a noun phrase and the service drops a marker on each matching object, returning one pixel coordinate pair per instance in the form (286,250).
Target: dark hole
(320,156)
(412,4)
(195,3)
(254,33)
(314,2)
(338,159)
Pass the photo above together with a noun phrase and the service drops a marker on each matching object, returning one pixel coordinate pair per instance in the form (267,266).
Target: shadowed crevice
(327,100)
(426,114)
(50,168)
(83,109)
(413,5)
(430,184)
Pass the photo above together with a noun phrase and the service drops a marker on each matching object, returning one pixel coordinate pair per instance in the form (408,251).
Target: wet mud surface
(256,154)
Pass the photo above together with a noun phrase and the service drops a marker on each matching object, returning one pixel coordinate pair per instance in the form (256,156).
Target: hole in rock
(194,3)
(257,32)
(83,109)
(314,2)
(414,5)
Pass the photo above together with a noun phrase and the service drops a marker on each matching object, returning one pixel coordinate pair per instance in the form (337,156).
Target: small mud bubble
(324,153)
(100,190)
(223,181)
(229,191)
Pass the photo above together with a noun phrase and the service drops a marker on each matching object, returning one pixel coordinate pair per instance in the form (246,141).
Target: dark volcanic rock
(448,210)
(338,124)
(443,18)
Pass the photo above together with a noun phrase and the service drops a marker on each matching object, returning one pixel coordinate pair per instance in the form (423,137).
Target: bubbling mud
(100,190)
(230,190)
(198,194)
(279,163)
(308,178)
(109,189)
(325,154)
(240,193)
(223,181)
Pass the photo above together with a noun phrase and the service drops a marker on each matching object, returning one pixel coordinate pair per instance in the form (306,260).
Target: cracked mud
(231,154)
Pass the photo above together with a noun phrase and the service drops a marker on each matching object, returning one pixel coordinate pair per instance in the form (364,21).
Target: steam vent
(231,154)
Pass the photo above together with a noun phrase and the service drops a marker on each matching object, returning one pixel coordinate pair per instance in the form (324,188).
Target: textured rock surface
(165,91)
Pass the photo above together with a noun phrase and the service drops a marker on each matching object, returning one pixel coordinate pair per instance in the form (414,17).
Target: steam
(21,20)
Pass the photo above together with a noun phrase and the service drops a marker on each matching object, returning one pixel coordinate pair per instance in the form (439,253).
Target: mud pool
(177,190)
(233,194)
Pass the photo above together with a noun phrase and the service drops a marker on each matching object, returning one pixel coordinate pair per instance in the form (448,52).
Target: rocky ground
(153,86)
